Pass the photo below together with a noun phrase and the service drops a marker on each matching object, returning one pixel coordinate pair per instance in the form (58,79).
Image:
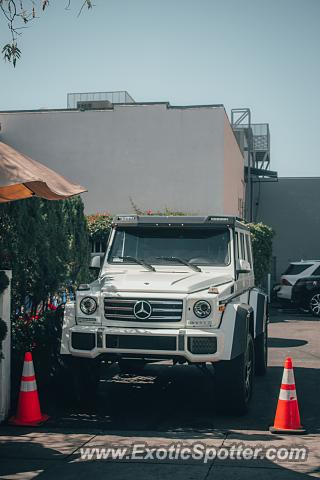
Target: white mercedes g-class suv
(178,288)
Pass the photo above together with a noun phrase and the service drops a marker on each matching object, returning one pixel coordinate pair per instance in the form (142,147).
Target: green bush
(99,225)
(45,244)
(40,335)
(261,237)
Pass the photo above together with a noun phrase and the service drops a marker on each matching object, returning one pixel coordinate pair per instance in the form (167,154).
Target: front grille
(141,342)
(83,341)
(122,309)
(202,345)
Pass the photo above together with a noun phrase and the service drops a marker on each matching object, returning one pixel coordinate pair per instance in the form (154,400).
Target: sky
(260,54)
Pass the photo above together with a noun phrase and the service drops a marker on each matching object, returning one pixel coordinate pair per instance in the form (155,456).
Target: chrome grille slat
(168,302)
(109,307)
(121,309)
(134,300)
(120,300)
(176,310)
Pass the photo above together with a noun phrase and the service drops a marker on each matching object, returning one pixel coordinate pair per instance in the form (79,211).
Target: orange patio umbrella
(21,177)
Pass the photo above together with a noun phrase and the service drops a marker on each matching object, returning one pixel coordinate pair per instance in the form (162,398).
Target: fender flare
(259,300)
(236,322)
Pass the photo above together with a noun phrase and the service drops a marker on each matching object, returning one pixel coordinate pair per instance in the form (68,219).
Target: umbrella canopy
(21,177)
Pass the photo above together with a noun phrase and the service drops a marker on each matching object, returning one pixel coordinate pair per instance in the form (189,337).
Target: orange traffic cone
(28,411)
(287,419)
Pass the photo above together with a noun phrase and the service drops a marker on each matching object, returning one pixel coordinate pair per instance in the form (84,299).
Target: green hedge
(45,244)
(261,237)
(99,224)
(41,336)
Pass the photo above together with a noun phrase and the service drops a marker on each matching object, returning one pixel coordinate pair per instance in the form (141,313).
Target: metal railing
(120,96)
(260,134)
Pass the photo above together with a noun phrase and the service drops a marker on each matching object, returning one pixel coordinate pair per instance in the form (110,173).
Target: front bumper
(193,345)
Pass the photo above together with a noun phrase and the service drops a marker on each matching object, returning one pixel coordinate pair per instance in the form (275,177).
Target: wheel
(131,366)
(83,377)
(234,381)
(314,304)
(261,352)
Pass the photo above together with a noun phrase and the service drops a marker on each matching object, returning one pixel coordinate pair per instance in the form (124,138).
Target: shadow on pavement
(69,469)
(285,342)
(182,399)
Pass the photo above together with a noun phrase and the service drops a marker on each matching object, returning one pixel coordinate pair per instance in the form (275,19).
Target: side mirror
(95,262)
(243,266)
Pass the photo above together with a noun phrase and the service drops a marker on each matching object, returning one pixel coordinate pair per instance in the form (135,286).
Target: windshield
(201,246)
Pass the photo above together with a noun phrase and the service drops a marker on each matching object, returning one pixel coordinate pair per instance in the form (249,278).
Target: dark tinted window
(296,269)
(237,246)
(248,250)
(243,251)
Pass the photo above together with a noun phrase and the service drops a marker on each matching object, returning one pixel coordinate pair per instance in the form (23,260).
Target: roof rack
(177,220)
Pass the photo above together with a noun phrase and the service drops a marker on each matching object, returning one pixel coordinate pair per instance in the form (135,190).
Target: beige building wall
(234,185)
(159,156)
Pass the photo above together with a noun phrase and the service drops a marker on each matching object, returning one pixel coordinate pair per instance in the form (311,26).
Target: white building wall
(158,156)
(5,362)
(234,185)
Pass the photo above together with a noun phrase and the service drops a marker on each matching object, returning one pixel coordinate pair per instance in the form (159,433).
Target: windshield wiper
(139,262)
(184,262)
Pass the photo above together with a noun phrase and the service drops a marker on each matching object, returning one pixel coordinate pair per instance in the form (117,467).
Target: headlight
(202,309)
(88,305)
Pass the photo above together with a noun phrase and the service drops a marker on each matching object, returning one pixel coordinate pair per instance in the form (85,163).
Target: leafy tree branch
(18,14)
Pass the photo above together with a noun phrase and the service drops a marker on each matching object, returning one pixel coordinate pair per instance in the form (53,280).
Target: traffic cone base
(28,411)
(20,423)
(287,419)
(284,431)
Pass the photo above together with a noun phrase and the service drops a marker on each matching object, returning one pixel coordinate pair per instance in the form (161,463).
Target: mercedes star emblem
(142,310)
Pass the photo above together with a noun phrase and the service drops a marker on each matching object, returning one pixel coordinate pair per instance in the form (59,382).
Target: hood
(161,281)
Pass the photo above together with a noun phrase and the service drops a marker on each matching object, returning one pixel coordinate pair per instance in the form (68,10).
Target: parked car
(174,288)
(295,271)
(306,294)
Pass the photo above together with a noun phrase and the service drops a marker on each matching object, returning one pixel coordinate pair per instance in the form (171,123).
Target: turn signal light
(286,282)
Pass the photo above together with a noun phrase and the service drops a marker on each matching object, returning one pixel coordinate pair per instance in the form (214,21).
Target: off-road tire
(261,352)
(83,377)
(234,381)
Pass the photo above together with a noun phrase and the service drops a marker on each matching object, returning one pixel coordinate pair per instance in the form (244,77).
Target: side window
(243,250)
(236,241)
(248,245)
(316,272)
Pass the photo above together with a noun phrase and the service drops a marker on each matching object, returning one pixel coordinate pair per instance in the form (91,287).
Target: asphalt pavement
(166,405)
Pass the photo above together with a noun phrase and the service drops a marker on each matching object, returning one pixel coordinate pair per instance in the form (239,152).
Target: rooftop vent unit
(94,105)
